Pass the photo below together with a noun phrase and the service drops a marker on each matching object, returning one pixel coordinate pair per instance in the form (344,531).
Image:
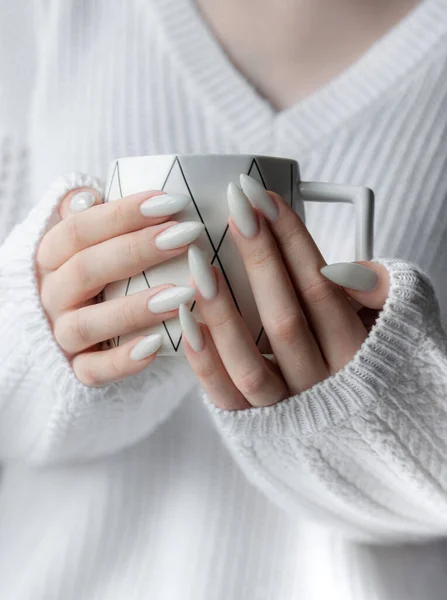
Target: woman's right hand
(91,248)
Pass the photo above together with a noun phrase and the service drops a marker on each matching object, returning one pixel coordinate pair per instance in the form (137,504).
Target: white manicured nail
(259,197)
(202,272)
(165,204)
(241,211)
(179,235)
(146,346)
(351,275)
(190,328)
(81,201)
(170,298)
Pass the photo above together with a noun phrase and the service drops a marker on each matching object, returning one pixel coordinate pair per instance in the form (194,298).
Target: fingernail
(81,201)
(241,211)
(351,275)
(170,299)
(190,328)
(202,272)
(179,235)
(146,347)
(259,197)
(164,204)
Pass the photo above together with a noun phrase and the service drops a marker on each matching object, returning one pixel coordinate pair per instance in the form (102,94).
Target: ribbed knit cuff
(69,420)
(410,313)
(18,273)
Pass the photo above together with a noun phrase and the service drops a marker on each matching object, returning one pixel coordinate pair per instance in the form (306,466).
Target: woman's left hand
(311,322)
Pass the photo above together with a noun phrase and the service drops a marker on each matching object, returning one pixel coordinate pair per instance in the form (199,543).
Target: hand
(312,323)
(110,242)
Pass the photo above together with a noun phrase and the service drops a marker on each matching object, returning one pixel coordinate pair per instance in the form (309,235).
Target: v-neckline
(250,117)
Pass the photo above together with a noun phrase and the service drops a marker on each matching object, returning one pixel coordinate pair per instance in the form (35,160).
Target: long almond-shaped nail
(164,204)
(171,298)
(241,211)
(81,201)
(146,347)
(202,272)
(259,197)
(190,328)
(178,235)
(351,275)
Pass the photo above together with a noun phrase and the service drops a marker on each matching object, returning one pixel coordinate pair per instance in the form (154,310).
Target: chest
(131,81)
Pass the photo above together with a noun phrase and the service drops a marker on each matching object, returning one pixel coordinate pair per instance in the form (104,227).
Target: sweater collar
(250,118)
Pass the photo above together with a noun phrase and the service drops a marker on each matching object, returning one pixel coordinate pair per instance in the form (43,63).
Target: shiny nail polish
(164,204)
(146,347)
(259,197)
(81,201)
(202,272)
(170,298)
(241,211)
(179,235)
(351,275)
(190,328)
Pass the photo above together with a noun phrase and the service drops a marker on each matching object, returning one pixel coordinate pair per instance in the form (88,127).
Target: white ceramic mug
(205,179)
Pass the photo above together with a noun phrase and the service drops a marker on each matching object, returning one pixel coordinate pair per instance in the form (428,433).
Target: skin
(282,49)
(287,49)
(313,328)
(74,262)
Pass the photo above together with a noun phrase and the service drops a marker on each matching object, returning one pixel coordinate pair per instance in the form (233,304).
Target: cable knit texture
(143,489)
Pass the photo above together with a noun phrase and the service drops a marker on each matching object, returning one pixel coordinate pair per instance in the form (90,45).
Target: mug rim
(208,155)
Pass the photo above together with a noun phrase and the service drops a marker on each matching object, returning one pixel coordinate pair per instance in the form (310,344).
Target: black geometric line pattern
(254,166)
(142,272)
(117,171)
(176,346)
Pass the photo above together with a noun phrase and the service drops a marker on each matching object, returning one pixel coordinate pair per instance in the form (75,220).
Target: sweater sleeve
(46,414)
(365,450)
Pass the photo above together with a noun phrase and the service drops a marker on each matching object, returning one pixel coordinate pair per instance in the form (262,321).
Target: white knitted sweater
(142,489)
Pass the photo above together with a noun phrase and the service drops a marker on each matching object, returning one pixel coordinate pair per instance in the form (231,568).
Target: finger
(102,222)
(240,356)
(106,366)
(78,200)
(89,271)
(366,282)
(206,363)
(293,343)
(77,330)
(336,325)
(355,305)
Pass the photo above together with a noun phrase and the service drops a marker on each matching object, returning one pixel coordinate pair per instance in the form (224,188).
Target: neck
(298,36)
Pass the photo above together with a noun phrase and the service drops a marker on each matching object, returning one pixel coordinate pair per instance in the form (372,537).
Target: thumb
(366,282)
(78,200)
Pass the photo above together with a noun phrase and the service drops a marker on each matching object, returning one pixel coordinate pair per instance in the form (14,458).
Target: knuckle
(115,370)
(207,371)
(83,274)
(81,330)
(285,326)
(128,315)
(292,236)
(71,332)
(118,215)
(319,292)
(74,234)
(221,320)
(262,257)
(253,382)
(132,250)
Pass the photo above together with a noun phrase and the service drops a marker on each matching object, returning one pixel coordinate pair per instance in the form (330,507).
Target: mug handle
(363,200)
